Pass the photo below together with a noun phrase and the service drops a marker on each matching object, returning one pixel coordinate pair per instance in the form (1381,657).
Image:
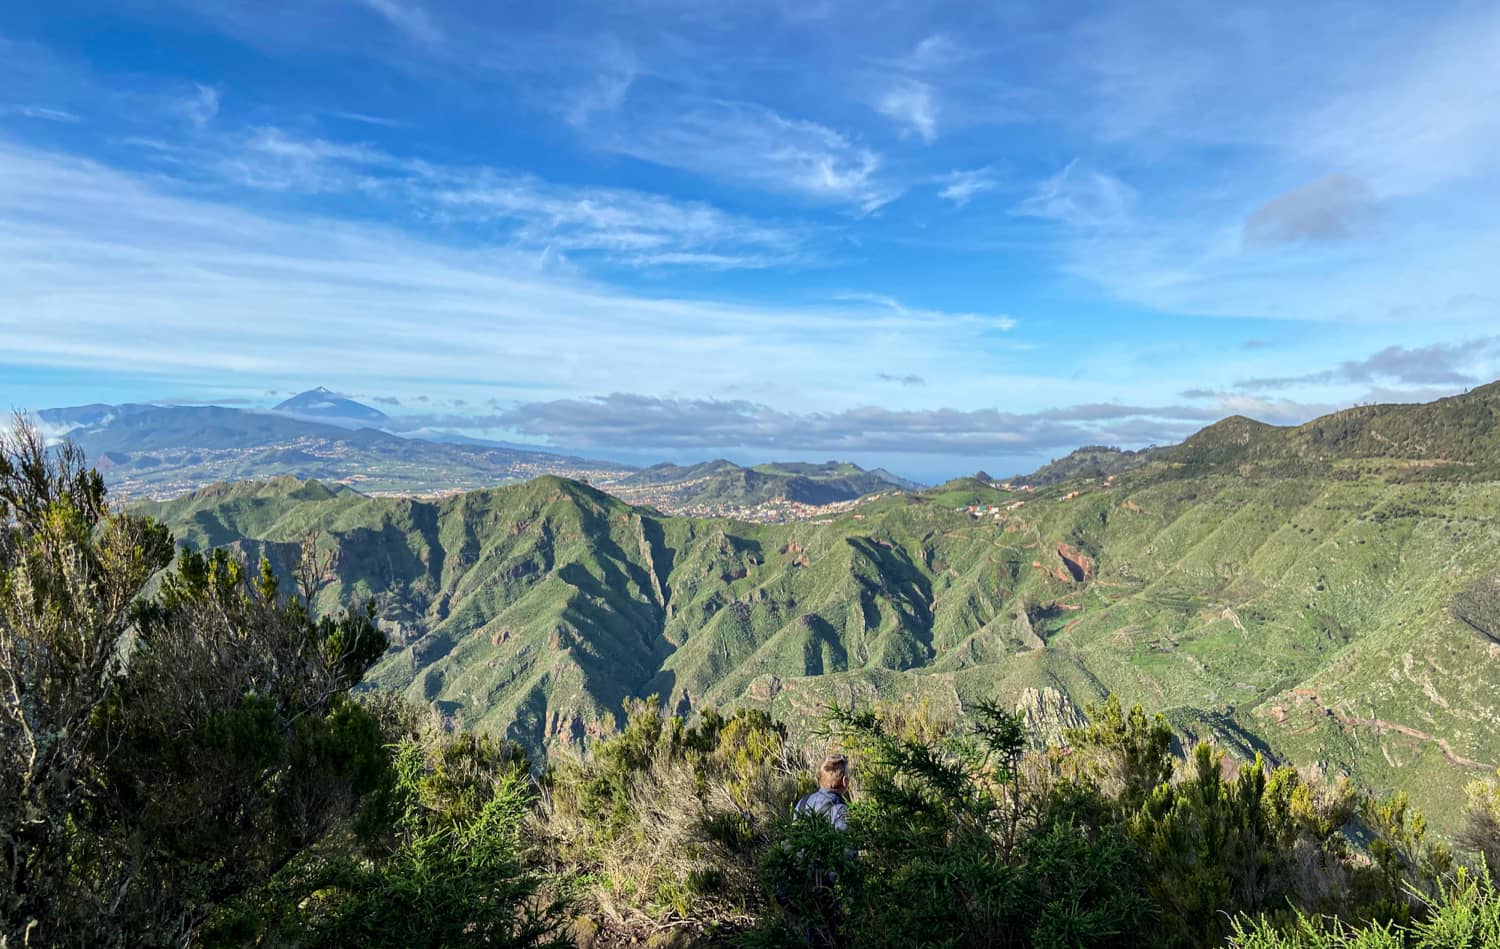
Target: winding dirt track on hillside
(1381,725)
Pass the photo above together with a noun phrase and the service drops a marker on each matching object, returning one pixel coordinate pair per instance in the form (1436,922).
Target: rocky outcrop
(1047,714)
(1077,566)
(764,688)
(1025,633)
(1478,607)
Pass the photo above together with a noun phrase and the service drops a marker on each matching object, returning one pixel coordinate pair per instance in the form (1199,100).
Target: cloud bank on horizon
(938,239)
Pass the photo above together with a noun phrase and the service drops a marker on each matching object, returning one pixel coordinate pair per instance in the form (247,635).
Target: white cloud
(626,225)
(43,113)
(748,144)
(1080,198)
(1396,95)
(960,187)
(606,91)
(379,121)
(910,105)
(200,107)
(521,211)
(986,321)
(933,52)
(408,17)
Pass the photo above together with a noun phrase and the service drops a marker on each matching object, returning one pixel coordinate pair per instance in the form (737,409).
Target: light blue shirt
(828,804)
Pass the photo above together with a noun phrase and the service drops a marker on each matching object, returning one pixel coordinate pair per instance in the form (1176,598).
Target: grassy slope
(1253,585)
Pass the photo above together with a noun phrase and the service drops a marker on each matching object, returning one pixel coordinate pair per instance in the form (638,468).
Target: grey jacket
(829,804)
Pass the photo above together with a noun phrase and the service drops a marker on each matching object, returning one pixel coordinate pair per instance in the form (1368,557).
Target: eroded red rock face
(1077,566)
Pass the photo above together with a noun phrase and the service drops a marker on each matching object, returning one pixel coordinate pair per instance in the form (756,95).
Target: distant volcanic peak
(322,403)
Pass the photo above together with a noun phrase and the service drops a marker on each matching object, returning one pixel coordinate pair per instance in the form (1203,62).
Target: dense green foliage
(1464,915)
(179,737)
(945,849)
(663,821)
(444,868)
(958,838)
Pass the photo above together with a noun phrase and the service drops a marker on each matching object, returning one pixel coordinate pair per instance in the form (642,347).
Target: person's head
(833,773)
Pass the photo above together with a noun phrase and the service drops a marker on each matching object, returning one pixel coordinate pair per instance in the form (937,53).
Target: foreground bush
(664,821)
(1462,916)
(183,764)
(959,838)
(942,850)
(452,872)
(166,751)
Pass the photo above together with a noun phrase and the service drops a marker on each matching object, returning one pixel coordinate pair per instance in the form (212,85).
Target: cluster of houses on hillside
(996,511)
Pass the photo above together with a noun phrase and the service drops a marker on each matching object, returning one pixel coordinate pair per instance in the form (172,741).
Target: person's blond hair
(833,773)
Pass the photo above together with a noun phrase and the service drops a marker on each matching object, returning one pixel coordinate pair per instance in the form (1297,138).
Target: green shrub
(453,873)
(665,821)
(940,852)
(1464,915)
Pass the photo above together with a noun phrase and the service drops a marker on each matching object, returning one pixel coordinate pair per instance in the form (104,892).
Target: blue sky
(935,237)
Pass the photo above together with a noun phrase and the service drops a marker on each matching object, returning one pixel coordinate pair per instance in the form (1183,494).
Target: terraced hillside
(1322,594)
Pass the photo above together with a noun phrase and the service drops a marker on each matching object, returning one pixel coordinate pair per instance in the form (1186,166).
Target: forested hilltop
(1320,595)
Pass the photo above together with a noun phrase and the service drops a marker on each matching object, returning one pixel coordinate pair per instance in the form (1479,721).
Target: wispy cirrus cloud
(913,107)
(407,16)
(987,321)
(1081,198)
(201,105)
(627,227)
(961,187)
(932,53)
(605,91)
(362,118)
(40,112)
(1397,129)
(751,145)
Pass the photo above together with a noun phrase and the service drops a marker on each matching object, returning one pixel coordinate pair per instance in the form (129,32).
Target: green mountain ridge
(1319,594)
(724,484)
(1091,461)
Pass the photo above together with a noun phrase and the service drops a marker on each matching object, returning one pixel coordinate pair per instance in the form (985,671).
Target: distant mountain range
(1322,594)
(160,451)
